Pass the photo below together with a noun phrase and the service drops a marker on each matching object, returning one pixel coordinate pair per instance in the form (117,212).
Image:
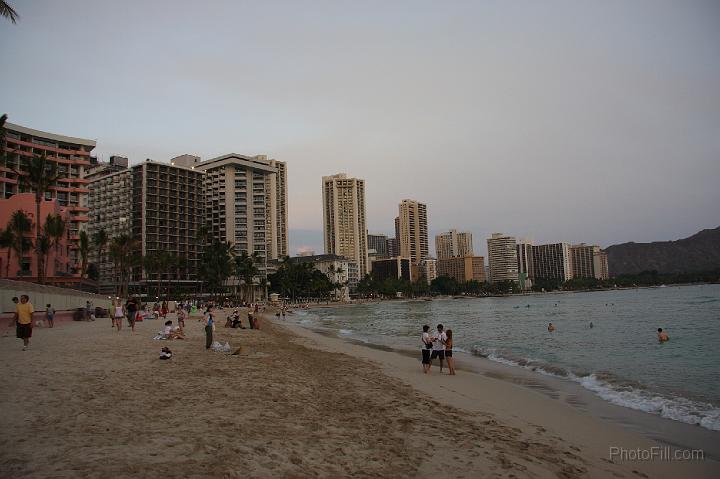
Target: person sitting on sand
(449,352)
(165,353)
(426,345)
(662,336)
(551,327)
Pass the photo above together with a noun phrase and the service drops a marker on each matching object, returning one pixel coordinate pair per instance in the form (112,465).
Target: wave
(627,395)
(345,332)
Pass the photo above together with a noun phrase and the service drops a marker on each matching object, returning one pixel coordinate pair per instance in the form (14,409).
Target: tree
(8,12)
(84,252)
(246,271)
(21,225)
(100,241)
(216,265)
(55,227)
(121,253)
(44,246)
(41,174)
(7,240)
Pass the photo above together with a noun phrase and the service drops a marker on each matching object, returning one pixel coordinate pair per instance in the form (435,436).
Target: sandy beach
(86,401)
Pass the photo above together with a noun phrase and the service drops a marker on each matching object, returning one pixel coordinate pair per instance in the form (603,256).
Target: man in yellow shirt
(23,320)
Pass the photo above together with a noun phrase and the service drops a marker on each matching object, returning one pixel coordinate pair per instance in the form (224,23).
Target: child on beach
(50,315)
(165,353)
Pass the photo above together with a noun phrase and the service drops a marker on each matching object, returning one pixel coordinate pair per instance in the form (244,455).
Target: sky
(572,120)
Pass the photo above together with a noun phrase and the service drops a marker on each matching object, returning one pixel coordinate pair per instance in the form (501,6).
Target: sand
(86,401)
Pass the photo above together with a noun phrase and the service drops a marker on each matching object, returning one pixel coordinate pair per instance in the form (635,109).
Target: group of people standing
(438,345)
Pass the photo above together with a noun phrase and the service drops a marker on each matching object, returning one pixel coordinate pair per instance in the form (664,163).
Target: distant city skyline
(560,121)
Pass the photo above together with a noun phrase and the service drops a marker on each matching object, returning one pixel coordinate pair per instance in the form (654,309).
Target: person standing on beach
(251,318)
(426,345)
(131,311)
(117,314)
(449,353)
(23,320)
(209,322)
(50,315)
(438,349)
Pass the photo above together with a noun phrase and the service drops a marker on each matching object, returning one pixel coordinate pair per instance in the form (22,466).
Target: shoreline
(85,401)
(671,432)
(524,400)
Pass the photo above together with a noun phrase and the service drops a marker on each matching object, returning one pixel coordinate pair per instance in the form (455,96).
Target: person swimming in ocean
(551,328)
(662,336)
(591,325)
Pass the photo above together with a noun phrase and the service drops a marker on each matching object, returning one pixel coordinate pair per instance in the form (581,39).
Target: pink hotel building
(68,197)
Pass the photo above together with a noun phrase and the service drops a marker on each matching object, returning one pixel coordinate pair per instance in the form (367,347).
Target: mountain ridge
(699,252)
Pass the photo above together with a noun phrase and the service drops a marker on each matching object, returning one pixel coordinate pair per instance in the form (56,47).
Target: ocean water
(619,358)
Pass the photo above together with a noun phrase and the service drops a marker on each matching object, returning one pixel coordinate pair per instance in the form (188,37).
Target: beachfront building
(600,265)
(502,258)
(246,205)
(104,168)
(338,269)
(428,269)
(412,230)
(552,261)
(345,233)
(168,209)
(588,261)
(452,244)
(395,268)
(110,204)
(72,156)
(392,247)
(60,267)
(525,264)
(379,243)
(468,268)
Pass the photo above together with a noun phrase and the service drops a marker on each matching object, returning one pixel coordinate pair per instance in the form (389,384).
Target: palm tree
(246,270)
(21,225)
(7,240)
(55,227)
(40,176)
(100,240)
(84,252)
(8,12)
(121,249)
(44,247)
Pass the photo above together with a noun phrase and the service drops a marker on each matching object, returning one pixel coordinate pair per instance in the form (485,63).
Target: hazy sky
(577,120)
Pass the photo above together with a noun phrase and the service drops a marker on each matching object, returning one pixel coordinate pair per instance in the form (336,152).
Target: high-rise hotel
(452,244)
(246,204)
(345,231)
(72,157)
(412,230)
(502,258)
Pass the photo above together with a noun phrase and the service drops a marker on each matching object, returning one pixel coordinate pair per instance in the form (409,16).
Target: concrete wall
(62,299)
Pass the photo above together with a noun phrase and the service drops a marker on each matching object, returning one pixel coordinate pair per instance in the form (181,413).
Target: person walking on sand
(23,320)
(448,352)
(50,315)
(426,344)
(438,348)
(209,321)
(662,336)
(117,314)
(131,309)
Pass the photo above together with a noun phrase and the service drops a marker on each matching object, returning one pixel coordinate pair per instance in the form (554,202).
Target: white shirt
(438,342)
(425,339)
